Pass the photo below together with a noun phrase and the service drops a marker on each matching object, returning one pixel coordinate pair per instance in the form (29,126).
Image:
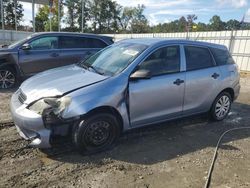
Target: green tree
(132,19)
(42,17)
(202,27)
(42,20)
(54,17)
(139,22)
(9,14)
(233,24)
(104,15)
(126,18)
(72,14)
(182,24)
(216,24)
(191,18)
(86,14)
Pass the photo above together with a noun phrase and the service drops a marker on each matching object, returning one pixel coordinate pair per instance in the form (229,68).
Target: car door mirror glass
(26,47)
(140,74)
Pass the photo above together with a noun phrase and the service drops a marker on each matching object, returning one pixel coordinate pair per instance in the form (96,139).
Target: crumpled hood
(57,82)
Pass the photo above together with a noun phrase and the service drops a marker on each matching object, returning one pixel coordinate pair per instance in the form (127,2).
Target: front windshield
(114,59)
(17,43)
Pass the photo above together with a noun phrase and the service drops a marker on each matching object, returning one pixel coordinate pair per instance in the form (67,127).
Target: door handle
(215,75)
(178,82)
(54,55)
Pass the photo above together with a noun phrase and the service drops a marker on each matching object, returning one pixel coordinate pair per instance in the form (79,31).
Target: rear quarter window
(222,57)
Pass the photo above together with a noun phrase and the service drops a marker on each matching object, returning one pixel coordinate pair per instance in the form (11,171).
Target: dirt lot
(173,154)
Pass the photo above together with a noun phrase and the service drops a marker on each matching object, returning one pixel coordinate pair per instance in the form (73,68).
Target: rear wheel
(7,78)
(96,133)
(221,106)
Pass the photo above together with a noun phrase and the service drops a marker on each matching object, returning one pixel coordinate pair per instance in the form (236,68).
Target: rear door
(202,78)
(77,48)
(43,55)
(161,96)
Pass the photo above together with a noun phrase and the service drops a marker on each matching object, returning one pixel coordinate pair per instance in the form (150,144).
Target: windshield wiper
(83,65)
(98,72)
(87,66)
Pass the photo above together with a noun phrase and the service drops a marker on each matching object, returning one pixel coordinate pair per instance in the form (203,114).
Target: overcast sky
(160,11)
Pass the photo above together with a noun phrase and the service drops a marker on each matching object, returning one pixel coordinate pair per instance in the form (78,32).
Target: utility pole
(2,14)
(33,16)
(15,5)
(82,13)
(59,15)
(50,14)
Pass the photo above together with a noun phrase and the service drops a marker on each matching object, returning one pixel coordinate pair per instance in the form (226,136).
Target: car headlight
(57,105)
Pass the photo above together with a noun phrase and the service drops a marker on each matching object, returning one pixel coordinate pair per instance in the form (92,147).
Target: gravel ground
(172,154)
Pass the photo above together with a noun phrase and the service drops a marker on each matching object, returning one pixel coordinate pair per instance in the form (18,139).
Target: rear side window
(198,58)
(95,43)
(80,42)
(222,57)
(72,42)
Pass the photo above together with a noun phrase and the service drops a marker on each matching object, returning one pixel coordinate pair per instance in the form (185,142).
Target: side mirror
(140,74)
(26,46)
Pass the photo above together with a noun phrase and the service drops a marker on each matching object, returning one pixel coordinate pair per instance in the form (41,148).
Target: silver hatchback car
(129,84)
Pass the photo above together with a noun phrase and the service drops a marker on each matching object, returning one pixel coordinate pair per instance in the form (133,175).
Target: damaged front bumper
(29,124)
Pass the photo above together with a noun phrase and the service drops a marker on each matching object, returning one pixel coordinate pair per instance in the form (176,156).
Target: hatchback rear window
(222,57)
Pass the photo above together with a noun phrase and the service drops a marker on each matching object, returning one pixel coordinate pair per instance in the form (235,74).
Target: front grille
(21,97)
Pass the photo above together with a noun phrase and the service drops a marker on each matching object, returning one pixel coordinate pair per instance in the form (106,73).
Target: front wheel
(221,106)
(7,78)
(95,133)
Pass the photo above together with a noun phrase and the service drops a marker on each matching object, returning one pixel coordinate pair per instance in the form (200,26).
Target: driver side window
(163,61)
(44,43)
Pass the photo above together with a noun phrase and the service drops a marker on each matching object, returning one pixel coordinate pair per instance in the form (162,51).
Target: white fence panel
(238,42)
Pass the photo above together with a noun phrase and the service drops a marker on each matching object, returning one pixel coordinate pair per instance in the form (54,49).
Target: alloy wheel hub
(222,106)
(7,79)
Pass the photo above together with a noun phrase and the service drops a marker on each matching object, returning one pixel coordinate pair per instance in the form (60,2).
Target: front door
(160,97)
(43,55)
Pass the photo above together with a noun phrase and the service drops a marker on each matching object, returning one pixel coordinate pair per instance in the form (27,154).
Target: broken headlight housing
(55,105)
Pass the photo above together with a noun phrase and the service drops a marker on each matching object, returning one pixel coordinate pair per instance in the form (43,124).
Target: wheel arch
(228,90)
(12,66)
(107,109)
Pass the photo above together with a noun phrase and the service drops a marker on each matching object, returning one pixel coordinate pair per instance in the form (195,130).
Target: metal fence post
(231,42)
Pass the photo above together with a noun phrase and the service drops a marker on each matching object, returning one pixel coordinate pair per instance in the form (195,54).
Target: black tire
(224,108)
(96,133)
(8,78)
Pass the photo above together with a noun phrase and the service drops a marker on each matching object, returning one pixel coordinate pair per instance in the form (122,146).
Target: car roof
(71,34)
(159,41)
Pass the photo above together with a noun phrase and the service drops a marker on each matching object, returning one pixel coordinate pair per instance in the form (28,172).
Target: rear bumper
(29,124)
